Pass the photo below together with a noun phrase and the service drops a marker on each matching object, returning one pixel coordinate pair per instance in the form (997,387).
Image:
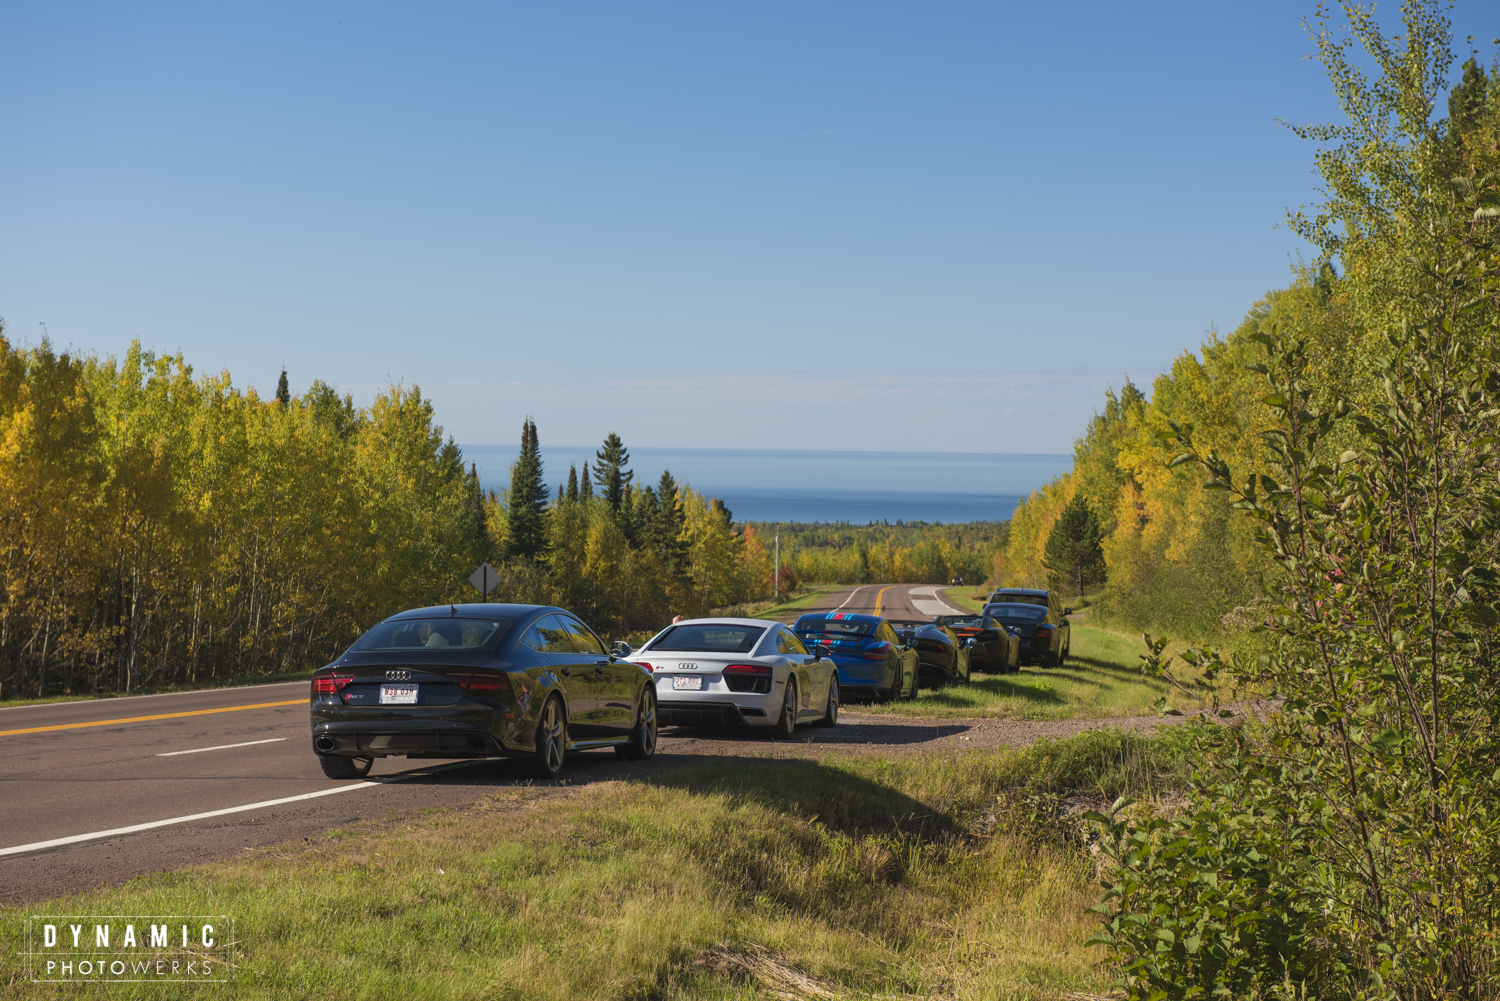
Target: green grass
(1101,679)
(909,876)
(195,686)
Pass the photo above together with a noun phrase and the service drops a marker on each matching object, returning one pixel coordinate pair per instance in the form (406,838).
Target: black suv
(1039,619)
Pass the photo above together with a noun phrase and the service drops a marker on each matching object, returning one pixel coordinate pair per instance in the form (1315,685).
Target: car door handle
(566,672)
(600,665)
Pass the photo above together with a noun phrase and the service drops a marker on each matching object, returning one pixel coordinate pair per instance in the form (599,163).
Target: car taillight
(754,679)
(485,685)
(331,685)
(880,651)
(1043,632)
(642,663)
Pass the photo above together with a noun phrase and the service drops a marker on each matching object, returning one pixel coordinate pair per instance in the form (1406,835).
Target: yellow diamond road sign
(485,579)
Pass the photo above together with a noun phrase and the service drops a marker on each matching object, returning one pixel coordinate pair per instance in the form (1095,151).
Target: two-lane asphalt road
(893,601)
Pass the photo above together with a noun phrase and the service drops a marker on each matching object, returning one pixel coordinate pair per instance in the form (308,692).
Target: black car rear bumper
(412,738)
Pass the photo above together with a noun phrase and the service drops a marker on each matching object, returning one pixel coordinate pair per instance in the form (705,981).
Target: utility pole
(776,574)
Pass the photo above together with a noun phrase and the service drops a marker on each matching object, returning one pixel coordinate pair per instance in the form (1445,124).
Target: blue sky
(772,225)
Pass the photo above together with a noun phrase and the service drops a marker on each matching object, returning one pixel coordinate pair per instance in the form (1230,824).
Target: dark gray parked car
(476,681)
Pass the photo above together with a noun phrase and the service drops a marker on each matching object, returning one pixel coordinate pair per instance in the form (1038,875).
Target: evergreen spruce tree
(611,471)
(1074,555)
(585,485)
(627,520)
(283,391)
(526,504)
(572,494)
(670,522)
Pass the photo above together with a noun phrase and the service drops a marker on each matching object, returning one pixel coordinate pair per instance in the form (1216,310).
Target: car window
(548,635)
(430,634)
(1012,598)
(709,637)
(837,627)
(886,633)
(584,641)
(1011,612)
(787,642)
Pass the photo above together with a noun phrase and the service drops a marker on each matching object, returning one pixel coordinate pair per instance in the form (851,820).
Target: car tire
(916,684)
(337,766)
(643,737)
(786,723)
(551,741)
(831,712)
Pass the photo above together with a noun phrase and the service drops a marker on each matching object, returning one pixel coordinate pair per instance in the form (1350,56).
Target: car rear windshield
(960,620)
(709,637)
(1019,599)
(835,626)
(431,634)
(1016,613)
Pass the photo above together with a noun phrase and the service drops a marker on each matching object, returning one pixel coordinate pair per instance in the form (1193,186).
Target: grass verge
(864,876)
(1101,679)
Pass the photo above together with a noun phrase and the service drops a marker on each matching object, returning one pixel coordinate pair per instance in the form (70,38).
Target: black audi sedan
(479,681)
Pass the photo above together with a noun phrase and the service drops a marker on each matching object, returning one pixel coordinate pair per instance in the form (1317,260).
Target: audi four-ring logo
(398,676)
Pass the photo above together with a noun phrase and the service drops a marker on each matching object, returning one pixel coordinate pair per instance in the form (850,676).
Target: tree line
(159,528)
(1321,487)
(907,552)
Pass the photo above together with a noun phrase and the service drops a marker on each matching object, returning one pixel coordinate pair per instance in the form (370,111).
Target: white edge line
(221,747)
(853,593)
(75,838)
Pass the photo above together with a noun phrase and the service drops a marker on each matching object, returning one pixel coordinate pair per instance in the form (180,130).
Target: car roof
(475,610)
(1021,590)
(841,617)
(727,622)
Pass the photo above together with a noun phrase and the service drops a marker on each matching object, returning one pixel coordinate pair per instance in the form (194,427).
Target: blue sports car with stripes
(872,662)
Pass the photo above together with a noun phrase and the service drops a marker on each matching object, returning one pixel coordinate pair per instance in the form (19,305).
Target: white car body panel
(716,703)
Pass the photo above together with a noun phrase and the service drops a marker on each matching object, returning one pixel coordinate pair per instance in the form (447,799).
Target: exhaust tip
(475,743)
(325,743)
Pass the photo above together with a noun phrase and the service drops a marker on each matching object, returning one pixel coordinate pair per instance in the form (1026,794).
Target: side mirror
(1067,611)
(620,650)
(817,652)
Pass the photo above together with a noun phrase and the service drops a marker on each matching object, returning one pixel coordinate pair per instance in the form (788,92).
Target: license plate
(688,683)
(398,695)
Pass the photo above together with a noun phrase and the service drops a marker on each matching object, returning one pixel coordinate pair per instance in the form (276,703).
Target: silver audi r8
(739,672)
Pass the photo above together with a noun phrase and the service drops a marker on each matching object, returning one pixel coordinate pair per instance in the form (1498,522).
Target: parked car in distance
(871,661)
(739,672)
(1028,596)
(1043,629)
(942,657)
(993,647)
(478,681)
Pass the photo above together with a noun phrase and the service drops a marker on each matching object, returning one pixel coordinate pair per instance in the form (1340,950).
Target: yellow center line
(142,719)
(881,597)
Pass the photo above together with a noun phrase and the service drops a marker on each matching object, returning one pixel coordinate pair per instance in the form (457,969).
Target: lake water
(796,485)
